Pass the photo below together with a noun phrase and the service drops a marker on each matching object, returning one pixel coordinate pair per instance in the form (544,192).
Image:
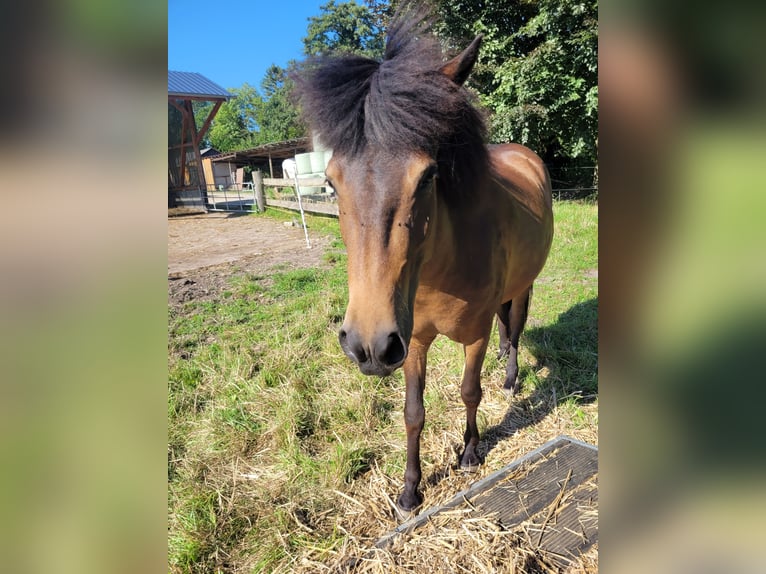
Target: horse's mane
(400,103)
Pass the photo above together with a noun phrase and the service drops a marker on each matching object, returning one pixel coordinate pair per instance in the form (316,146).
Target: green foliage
(537,75)
(537,72)
(230,128)
(345,27)
(277,117)
(232,125)
(253,118)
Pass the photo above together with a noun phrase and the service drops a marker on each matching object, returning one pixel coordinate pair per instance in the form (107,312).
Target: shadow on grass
(567,355)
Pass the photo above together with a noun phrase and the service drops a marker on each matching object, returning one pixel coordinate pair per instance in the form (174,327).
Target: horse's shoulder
(515,156)
(521,172)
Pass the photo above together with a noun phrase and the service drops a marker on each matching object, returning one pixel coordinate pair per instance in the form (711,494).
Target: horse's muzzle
(380,357)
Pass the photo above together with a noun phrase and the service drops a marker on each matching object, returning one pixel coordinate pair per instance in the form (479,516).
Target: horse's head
(404,135)
(387,201)
(386,205)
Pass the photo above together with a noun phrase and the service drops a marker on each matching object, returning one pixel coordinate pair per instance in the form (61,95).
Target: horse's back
(524,186)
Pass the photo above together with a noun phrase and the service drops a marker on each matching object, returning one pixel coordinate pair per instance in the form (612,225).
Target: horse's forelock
(401,103)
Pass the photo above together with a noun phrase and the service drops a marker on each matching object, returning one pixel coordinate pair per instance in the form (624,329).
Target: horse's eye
(426,179)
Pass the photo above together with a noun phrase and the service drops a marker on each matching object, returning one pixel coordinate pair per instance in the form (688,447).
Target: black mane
(400,103)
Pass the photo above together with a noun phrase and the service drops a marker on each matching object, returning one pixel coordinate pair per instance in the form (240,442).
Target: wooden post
(260,199)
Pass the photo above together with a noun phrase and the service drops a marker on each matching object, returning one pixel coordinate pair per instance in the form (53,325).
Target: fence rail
(323,202)
(251,196)
(309,182)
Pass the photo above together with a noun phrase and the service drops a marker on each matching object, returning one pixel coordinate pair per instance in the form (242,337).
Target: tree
(277,116)
(253,118)
(201,111)
(537,72)
(236,119)
(345,27)
(273,81)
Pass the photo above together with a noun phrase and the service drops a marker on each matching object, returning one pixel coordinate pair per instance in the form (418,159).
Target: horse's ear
(459,68)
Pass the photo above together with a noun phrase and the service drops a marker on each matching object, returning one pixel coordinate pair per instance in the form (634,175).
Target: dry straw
(455,540)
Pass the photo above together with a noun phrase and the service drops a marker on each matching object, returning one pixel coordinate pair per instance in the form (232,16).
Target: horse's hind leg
(516,319)
(504,329)
(470,391)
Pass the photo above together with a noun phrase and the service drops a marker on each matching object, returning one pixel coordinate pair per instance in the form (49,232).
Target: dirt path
(205,250)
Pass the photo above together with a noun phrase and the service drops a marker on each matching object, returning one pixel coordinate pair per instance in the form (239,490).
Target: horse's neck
(458,222)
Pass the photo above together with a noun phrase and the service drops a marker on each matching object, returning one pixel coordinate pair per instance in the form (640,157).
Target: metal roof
(192,84)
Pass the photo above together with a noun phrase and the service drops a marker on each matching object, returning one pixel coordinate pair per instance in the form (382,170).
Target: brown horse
(442,232)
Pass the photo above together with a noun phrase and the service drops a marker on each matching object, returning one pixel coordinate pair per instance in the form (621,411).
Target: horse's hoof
(511,389)
(470,463)
(409,502)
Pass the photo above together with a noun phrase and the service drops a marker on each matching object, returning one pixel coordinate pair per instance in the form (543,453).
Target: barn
(186,178)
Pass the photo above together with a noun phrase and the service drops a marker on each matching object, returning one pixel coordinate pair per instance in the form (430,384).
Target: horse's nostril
(395,350)
(386,352)
(352,346)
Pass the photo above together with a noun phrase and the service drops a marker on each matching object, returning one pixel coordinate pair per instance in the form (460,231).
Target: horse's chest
(463,317)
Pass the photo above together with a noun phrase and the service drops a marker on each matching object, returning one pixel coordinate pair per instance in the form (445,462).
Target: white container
(303,163)
(317,162)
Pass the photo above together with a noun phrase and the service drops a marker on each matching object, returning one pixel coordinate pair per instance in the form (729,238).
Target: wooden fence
(309,206)
(562,189)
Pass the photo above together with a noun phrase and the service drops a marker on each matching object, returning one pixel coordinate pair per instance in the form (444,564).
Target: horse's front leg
(414,419)
(470,391)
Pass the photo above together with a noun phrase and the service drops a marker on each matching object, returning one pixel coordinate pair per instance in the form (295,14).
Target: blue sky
(235,41)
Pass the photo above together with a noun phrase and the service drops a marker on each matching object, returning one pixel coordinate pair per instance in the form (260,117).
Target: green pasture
(269,425)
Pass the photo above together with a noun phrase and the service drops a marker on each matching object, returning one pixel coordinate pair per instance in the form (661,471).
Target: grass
(283,457)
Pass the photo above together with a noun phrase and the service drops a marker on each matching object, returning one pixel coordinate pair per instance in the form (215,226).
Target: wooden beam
(209,119)
(177,146)
(308,182)
(195,148)
(224,156)
(183,139)
(175,105)
(324,208)
(180,183)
